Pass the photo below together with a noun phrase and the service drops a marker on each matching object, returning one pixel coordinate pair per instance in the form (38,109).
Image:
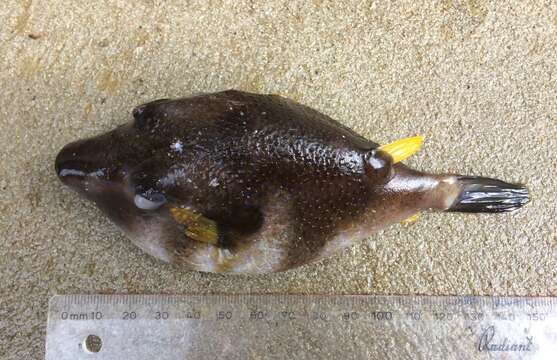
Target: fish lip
(78,162)
(71,169)
(67,164)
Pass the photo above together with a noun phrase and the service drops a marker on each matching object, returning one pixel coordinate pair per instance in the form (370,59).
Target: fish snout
(75,163)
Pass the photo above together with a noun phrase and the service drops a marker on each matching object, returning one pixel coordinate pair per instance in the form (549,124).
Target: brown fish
(240,182)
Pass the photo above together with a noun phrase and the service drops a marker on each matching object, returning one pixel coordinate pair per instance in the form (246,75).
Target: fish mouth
(71,169)
(78,167)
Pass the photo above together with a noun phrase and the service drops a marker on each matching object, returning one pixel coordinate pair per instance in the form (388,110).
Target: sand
(478,79)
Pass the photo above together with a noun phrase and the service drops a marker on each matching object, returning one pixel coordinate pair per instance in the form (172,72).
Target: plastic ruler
(300,327)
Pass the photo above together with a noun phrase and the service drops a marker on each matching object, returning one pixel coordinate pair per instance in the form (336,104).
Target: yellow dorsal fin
(403,148)
(410,219)
(198,227)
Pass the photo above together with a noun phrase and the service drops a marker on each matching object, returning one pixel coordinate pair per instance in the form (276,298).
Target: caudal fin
(479,194)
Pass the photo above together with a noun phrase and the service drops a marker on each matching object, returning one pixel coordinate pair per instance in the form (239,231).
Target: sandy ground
(478,79)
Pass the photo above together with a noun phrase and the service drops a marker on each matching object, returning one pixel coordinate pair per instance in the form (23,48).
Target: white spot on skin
(177,146)
(214,183)
(97,173)
(173,177)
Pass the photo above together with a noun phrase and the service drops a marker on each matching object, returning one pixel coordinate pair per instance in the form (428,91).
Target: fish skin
(285,184)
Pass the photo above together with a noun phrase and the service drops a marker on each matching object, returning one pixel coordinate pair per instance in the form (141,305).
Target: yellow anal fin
(198,227)
(403,148)
(410,219)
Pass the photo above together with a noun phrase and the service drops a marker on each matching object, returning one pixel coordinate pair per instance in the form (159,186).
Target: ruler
(300,327)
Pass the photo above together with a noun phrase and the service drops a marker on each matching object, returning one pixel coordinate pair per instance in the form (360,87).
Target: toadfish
(242,182)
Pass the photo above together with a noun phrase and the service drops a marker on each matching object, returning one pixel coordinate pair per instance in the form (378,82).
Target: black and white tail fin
(485,195)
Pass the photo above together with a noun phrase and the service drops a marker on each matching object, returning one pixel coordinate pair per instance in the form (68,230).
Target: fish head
(95,165)
(103,168)
(113,170)
(89,165)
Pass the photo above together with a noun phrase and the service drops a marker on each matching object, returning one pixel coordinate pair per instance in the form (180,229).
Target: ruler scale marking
(310,326)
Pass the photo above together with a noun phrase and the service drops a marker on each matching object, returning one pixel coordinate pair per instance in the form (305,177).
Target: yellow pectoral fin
(410,219)
(198,227)
(403,148)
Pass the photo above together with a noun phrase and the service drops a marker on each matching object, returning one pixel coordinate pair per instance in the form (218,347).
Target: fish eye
(149,201)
